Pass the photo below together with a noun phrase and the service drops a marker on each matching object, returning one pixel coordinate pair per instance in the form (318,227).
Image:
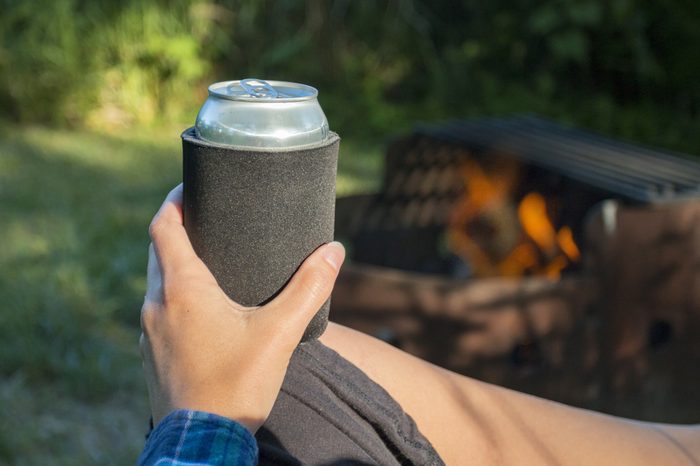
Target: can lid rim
(190,135)
(215,90)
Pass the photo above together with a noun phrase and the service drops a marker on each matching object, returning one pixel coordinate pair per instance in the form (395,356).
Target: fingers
(154,294)
(154,280)
(170,240)
(305,293)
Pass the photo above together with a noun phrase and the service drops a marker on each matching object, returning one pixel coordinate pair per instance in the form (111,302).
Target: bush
(379,65)
(96,63)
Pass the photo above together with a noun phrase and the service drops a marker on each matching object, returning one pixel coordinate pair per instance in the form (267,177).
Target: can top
(252,89)
(261,114)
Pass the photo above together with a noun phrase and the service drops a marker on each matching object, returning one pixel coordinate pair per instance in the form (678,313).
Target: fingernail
(334,253)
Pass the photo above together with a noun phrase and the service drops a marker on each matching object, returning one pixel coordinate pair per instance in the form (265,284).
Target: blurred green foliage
(98,63)
(626,67)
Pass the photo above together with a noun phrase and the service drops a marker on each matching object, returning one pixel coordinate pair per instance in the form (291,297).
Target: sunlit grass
(73,222)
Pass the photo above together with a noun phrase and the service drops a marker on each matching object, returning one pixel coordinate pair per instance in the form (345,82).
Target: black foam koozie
(253,216)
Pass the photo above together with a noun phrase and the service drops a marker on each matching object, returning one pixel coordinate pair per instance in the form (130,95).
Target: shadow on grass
(73,223)
(72,267)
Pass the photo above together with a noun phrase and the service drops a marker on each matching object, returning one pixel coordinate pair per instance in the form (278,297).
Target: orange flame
(565,239)
(496,239)
(532,213)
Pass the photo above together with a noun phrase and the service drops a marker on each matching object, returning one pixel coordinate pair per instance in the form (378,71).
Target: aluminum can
(253,113)
(259,173)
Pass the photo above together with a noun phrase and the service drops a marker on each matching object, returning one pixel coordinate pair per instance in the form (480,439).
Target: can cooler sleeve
(253,216)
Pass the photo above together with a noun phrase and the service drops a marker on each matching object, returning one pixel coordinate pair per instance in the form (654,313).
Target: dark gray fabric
(330,413)
(254,216)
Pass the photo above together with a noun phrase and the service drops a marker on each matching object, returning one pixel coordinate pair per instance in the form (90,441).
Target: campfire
(498,235)
(535,256)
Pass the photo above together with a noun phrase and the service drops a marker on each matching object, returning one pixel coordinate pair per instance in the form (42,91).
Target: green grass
(74,211)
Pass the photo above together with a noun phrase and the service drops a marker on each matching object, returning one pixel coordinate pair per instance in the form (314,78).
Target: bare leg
(471,422)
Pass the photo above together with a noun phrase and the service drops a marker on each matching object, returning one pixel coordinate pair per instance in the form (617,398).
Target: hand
(203,351)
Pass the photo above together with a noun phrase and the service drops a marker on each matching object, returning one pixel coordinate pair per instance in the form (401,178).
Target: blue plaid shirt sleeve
(195,438)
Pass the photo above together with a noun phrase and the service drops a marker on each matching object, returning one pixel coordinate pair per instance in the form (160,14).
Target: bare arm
(469,420)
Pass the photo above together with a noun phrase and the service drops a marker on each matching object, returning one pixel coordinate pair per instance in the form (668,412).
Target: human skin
(472,422)
(205,352)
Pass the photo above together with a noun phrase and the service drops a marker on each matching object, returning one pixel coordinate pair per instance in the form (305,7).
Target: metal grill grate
(625,170)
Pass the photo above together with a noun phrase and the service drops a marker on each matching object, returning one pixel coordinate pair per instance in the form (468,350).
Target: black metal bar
(638,173)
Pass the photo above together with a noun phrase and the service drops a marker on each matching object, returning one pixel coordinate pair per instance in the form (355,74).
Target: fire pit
(535,256)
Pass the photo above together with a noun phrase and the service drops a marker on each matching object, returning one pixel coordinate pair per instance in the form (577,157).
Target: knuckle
(154,227)
(316,281)
(147,318)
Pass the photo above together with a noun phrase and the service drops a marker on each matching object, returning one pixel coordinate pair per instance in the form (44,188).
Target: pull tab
(258,88)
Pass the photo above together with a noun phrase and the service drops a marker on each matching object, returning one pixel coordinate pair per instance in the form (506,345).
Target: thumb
(308,289)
